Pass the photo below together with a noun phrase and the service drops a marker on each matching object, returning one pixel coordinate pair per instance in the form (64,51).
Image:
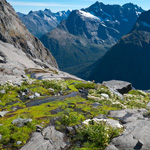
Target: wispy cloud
(16,3)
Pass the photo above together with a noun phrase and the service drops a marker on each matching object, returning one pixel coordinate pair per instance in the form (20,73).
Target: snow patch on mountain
(47,18)
(138,13)
(88,15)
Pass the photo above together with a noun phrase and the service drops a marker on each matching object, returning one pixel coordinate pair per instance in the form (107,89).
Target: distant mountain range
(129,59)
(87,34)
(41,22)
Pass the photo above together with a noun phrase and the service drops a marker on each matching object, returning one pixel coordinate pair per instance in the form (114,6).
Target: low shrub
(97,135)
(72,118)
(137,92)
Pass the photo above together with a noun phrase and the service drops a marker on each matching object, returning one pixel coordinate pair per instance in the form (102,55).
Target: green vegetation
(97,135)
(71,118)
(134,99)
(87,85)
(70,111)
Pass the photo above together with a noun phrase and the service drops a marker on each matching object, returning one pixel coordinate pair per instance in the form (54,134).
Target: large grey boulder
(135,137)
(121,86)
(111,147)
(128,115)
(50,139)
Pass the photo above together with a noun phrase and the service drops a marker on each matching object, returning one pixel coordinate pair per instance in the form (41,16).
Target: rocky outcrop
(87,34)
(136,132)
(40,22)
(49,139)
(14,32)
(128,60)
(128,115)
(15,63)
(121,86)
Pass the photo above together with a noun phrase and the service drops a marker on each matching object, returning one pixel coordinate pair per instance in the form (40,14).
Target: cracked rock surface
(136,135)
(128,115)
(49,139)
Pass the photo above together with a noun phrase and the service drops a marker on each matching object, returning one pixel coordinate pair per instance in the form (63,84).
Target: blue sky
(25,6)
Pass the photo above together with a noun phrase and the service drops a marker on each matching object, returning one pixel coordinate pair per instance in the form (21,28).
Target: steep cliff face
(13,31)
(129,59)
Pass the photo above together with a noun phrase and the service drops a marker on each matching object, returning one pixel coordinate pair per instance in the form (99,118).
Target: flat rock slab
(50,139)
(120,86)
(135,137)
(128,115)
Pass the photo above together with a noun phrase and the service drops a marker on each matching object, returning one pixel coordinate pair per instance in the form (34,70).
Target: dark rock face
(120,86)
(41,22)
(87,34)
(14,32)
(128,60)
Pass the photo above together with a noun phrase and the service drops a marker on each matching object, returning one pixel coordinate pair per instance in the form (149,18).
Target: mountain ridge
(128,60)
(87,34)
(41,22)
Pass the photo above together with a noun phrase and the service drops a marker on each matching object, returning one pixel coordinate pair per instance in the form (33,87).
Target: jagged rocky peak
(13,31)
(75,24)
(28,13)
(47,10)
(132,6)
(114,11)
(41,22)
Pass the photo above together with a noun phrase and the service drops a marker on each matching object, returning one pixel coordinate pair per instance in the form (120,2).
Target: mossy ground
(73,110)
